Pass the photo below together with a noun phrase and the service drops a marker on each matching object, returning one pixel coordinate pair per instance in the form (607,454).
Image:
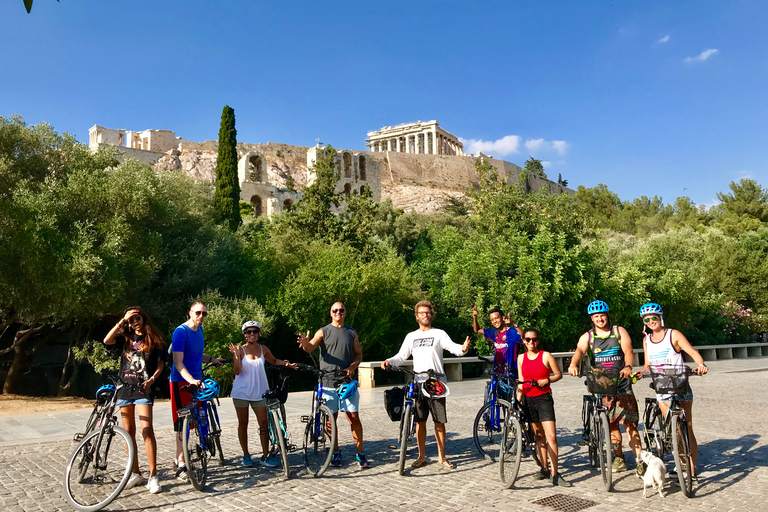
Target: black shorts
(539,408)
(424,406)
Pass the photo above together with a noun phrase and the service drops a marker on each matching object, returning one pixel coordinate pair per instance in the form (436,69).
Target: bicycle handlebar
(431,373)
(321,373)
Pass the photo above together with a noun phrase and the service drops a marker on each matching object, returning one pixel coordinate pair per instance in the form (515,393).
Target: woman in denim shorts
(139,345)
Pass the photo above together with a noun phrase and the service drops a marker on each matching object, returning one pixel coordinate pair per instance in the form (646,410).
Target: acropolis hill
(416,165)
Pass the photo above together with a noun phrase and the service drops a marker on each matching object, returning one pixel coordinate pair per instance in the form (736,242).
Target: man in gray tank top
(339,350)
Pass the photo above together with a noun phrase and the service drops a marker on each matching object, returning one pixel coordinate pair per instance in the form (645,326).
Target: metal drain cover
(565,503)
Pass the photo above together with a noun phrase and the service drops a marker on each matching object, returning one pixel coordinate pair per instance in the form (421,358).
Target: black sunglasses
(198,313)
(338,310)
(251,331)
(531,339)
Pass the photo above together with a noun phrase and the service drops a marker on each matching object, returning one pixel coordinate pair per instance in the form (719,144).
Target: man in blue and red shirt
(505,339)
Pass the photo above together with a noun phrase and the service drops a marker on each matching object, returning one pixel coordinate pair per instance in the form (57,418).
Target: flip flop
(418,463)
(447,464)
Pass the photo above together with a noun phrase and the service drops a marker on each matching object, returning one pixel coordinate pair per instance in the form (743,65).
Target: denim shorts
(351,404)
(124,402)
(687,397)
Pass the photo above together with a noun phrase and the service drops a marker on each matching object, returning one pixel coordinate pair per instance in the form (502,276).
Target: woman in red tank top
(537,370)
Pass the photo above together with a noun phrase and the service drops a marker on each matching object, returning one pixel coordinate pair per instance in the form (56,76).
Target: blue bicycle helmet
(650,308)
(104,393)
(347,390)
(597,306)
(211,390)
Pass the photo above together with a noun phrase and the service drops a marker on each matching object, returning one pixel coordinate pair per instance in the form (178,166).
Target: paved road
(730,412)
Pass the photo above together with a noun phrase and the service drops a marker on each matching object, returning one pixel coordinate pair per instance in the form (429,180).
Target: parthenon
(419,138)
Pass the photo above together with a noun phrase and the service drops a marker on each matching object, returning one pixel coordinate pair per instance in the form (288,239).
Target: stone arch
(347,189)
(287,205)
(258,207)
(256,168)
(362,190)
(347,165)
(361,165)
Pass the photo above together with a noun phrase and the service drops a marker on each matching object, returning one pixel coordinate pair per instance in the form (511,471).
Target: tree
(561,181)
(226,197)
(533,166)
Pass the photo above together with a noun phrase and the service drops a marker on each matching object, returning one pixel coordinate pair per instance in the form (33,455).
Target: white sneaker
(136,479)
(154,485)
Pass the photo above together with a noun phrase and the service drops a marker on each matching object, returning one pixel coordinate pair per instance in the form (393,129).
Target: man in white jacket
(426,345)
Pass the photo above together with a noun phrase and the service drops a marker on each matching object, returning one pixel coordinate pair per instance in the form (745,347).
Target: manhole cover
(565,503)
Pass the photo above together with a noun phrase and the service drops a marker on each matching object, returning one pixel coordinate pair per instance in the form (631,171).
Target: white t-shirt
(427,350)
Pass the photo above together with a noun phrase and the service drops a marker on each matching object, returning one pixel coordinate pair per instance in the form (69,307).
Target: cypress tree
(226,196)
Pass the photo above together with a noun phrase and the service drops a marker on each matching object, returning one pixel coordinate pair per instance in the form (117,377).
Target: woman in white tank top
(249,387)
(665,347)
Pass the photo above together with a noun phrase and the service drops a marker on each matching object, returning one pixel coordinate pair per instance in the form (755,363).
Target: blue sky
(650,98)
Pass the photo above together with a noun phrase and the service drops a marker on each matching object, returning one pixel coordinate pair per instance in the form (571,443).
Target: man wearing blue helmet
(339,350)
(609,346)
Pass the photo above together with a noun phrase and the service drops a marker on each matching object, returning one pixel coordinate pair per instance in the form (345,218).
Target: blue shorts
(351,404)
(124,402)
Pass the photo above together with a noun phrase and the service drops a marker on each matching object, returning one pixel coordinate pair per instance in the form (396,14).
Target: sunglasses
(198,313)
(651,319)
(134,318)
(531,339)
(251,331)
(338,310)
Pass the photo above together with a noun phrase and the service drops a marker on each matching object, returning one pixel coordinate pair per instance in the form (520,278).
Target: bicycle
(278,430)
(489,420)
(407,420)
(659,437)
(596,434)
(97,471)
(202,429)
(320,434)
(516,435)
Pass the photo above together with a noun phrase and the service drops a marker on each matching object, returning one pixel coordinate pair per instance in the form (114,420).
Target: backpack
(393,402)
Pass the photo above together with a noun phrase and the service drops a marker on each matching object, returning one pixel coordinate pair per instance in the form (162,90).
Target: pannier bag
(393,402)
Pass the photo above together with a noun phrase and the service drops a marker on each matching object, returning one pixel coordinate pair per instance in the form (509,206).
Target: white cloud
(546,164)
(702,56)
(534,144)
(501,147)
(560,146)
(663,40)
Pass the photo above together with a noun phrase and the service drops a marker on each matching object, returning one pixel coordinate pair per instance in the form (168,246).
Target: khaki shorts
(239,403)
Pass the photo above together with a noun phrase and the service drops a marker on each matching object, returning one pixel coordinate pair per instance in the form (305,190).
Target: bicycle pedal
(306,419)
(78,437)
(581,443)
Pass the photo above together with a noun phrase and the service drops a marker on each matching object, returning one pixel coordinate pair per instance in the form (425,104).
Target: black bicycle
(596,434)
(516,436)
(487,429)
(408,420)
(670,434)
(100,467)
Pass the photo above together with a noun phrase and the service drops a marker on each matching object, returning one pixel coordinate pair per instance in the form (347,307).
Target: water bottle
(203,413)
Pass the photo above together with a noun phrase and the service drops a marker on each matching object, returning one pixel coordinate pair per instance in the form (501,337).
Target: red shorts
(179,399)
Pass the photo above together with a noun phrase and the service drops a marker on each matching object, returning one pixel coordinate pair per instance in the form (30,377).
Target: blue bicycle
(320,433)
(490,418)
(202,431)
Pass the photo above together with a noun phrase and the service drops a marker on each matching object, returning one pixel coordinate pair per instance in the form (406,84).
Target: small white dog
(655,472)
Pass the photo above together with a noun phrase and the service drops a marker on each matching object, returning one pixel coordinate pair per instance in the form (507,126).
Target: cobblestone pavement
(730,415)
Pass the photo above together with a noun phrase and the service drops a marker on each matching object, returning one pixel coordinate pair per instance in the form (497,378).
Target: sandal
(418,463)
(447,464)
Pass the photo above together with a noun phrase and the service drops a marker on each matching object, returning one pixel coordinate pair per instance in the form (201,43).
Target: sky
(648,97)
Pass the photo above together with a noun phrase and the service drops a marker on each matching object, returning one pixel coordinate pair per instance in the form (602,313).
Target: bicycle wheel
(278,424)
(487,429)
(195,456)
(215,433)
(592,447)
(654,430)
(99,469)
(682,453)
(318,443)
(604,450)
(511,450)
(405,433)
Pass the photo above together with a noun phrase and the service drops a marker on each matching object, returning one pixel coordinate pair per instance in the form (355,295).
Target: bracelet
(628,366)
(702,364)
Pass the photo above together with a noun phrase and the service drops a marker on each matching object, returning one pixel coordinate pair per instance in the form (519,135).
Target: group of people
(140,347)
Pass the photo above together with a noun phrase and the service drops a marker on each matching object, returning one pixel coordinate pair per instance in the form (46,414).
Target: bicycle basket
(670,380)
(602,381)
(278,382)
(393,402)
(507,389)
